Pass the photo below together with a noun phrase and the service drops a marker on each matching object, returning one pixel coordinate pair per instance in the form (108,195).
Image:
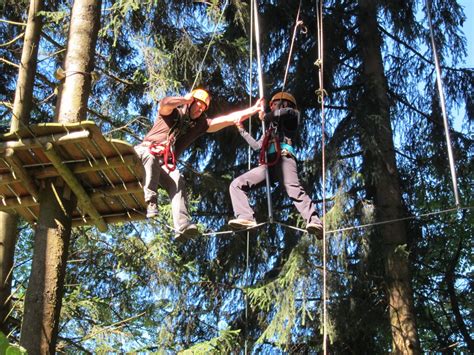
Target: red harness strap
(164,150)
(269,134)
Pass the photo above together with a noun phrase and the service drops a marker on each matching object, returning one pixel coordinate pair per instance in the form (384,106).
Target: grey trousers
(286,172)
(156,174)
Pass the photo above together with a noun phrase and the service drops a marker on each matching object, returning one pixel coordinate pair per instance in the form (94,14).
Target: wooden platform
(105,174)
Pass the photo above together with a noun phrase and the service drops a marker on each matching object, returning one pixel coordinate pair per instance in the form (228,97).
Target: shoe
(316,229)
(240,223)
(151,210)
(186,232)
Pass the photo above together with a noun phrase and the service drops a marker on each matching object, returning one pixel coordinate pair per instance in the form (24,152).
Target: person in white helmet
(180,121)
(277,142)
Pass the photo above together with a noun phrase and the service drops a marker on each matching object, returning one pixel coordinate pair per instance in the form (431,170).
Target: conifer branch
(12,40)
(10,63)
(13,22)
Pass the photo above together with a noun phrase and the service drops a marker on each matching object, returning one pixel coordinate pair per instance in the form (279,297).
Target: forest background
(403,286)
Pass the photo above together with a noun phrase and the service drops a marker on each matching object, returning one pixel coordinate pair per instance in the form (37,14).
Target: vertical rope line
(260,87)
(319,17)
(297,23)
(214,31)
(257,42)
(249,149)
(247,272)
(443,107)
(249,152)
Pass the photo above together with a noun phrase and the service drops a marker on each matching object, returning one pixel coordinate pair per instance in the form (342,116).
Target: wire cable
(214,31)
(320,61)
(297,23)
(249,154)
(260,89)
(442,102)
(331,231)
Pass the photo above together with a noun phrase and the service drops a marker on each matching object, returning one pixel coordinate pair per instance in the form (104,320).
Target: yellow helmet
(283,96)
(202,95)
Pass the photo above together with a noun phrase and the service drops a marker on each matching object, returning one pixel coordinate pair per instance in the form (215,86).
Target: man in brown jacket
(180,121)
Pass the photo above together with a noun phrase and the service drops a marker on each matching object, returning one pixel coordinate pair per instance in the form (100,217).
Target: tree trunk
(44,295)
(383,181)
(450,277)
(79,63)
(21,115)
(26,76)
(8,232)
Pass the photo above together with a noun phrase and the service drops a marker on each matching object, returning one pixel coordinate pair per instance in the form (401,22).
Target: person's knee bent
(294,190)
(236,184)
(233,186)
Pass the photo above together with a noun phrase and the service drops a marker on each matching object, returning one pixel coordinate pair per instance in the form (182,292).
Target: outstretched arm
(253,143)
(169,103)
(224,121)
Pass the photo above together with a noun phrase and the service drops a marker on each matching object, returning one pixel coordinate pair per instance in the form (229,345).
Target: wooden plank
(7,179)
(77,168)
(15,203)
(31,143)
(18,169)
(112,219)
(48,129)
(109,191)
(82,196)
(107,169)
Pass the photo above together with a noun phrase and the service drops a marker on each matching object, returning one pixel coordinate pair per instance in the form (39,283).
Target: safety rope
(249,156)
(297,23)
(261,93)
(321,92)
(331,231)
(443,106)
(214,31)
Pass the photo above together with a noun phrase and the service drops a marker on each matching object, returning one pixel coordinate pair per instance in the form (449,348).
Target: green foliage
(56,17)
(278,297)
(163,65)
(225,343)
(9,349)
(118,13)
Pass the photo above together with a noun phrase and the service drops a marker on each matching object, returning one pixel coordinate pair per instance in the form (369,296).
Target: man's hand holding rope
(259,108)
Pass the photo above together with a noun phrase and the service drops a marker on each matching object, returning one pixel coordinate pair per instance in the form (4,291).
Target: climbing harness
(270,144)
(166,151)
(180,127)
(283,124)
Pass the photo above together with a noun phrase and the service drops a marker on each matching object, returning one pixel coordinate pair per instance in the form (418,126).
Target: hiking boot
(186,232)
(151,210)
(240,223)
(316,229)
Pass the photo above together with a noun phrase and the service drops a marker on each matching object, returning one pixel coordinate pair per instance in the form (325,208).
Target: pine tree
(45,287)
(20,117)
